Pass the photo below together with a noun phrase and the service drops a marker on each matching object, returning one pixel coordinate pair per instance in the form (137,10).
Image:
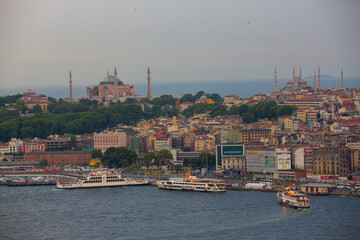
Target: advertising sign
(284,161)
(227,151)
(232,150)
(258,161)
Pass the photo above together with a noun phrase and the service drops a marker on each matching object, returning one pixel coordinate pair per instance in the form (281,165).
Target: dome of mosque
(29,92)
(110,80)
(203,97)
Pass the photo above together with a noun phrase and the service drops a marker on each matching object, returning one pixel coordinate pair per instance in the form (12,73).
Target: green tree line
(268,109)
(204,160)
(86,117)
(46,123)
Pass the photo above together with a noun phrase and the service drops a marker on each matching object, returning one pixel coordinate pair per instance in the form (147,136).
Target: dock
(23,184)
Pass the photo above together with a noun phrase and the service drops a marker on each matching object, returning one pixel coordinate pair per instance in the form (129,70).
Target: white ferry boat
(192,183)
(291,198)
(102,178)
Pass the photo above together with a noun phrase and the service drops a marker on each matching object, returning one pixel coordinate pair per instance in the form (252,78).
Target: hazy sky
(182,40)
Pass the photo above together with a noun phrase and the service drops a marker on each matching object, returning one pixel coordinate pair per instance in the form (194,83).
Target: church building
(111,88)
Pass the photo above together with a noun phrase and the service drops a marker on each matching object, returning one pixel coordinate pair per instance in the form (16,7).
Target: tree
(164,100)
(130,101)
(145,100)
(199,94)
(285,110)
(37,109)
(216,97)
(149,159)
(51,99)
(248,117)
(96,153)
(186,162)
(168,111)
(9,99)
(43,163)
(5,160)
(20,105)
(89,102)
(155,111)
(118,157)
(187,98)
(73,142)
(220,110)
(187,149)
(164,156)
(27,132)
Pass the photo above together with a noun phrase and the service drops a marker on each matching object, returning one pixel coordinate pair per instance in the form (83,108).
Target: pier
(30,183)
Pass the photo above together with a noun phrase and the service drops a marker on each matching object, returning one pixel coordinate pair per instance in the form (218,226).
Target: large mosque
(111,88)
(295,84)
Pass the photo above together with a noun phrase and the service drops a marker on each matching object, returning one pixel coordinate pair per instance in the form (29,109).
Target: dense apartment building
(204,143)
(62,158)
(107,139)
(354,149)
(189,142)
(56,143)
(331,161)
(305,102)
(309,160)
(13,146)
(291,124)
(245,136)
(161,142)
(31,147)
(237,163)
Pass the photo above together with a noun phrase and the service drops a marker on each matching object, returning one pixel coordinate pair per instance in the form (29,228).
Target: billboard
(284,161)
(232,150)
(261,161)
(227,151)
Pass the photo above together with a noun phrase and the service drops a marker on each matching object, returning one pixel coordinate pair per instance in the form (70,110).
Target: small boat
(192,183)
(102,178)
(291,198)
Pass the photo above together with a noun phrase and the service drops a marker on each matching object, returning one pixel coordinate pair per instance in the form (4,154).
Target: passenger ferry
(102,178)
(192,183)
(291,198)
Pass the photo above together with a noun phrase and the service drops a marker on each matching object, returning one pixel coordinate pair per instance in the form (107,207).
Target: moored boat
(102,178)
(192,183)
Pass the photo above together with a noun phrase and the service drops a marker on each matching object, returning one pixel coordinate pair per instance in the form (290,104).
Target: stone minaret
(116,85)
(300,73)
(275,81)
(294,73)
(319,77)
(149,96)
(70,82)
(314,80)
(342,79)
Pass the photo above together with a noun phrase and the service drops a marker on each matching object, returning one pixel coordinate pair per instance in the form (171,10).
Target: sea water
(144,212)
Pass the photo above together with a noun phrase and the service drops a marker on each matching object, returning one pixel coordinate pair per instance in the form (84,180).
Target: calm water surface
(45,212)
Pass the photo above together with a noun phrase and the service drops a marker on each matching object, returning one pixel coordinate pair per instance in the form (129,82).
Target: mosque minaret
(276,89)
(70,83)
(148,95)
(318,78)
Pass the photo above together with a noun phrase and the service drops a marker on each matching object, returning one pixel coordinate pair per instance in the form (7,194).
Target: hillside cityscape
(301,130)
(179,119)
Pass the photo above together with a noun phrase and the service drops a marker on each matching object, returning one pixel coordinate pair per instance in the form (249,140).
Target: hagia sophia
(111,88)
